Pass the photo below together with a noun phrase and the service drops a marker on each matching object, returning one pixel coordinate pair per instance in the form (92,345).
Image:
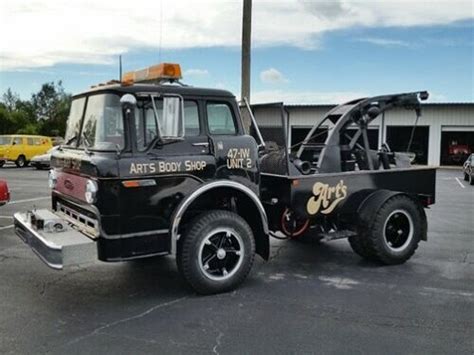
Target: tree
(47,100)
(10,100)
(51,108)
(6,123)
(45,113)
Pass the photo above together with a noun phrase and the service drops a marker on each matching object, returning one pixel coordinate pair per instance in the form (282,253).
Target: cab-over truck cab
(154,169)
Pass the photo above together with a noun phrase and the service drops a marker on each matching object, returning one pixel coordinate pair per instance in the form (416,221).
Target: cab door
(167,172)
(236,153)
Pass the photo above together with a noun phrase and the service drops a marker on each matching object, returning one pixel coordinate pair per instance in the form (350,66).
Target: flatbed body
(295,191)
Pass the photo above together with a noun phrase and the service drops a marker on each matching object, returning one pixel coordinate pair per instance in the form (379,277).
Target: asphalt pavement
(309,298)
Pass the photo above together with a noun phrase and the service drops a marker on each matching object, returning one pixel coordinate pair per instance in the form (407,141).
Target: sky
(303,52)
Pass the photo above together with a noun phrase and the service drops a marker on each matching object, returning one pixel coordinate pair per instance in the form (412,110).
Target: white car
(42,161)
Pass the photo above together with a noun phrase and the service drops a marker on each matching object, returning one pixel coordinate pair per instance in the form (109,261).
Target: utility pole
(120,68)
(246,47)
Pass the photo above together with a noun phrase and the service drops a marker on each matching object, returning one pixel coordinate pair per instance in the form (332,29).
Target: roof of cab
(157,88)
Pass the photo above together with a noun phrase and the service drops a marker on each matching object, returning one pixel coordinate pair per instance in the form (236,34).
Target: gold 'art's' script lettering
(326,197)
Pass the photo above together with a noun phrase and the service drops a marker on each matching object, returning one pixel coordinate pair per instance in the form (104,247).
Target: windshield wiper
(87,143)
(72,139)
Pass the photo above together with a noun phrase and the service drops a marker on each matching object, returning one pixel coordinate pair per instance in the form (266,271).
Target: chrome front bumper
(56,249)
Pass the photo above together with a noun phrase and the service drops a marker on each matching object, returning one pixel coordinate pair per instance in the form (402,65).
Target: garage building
(444,134)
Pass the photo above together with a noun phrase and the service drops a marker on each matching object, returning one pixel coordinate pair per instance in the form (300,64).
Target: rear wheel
(392,235)
(216,253)
(471,179)
(2,163)
(21,161)
(466,177)
(360,247)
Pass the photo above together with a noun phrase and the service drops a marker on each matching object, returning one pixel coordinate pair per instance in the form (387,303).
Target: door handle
(201,144)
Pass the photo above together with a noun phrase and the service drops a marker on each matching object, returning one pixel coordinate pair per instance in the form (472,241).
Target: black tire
(21,162)
(471,179)
(274,162)
(223,230)
(359,246)
(393,233)
(466,177)
(2,163)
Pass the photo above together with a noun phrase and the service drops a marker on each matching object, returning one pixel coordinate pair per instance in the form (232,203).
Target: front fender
(201,191)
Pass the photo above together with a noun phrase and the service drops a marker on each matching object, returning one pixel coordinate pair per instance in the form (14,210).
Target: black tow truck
(153,167)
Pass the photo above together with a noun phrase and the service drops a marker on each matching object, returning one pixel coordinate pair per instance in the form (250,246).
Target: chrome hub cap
(220,254)
(398,230)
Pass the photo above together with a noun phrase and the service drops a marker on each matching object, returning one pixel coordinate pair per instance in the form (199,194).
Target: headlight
(52,179)
(91,191)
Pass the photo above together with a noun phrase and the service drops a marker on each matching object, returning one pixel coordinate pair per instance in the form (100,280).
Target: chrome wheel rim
(220,254)
(398,230)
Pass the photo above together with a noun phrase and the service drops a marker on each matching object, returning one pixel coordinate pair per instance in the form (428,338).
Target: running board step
(337,235)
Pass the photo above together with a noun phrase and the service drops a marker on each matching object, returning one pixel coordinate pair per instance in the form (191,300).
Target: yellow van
(21,148)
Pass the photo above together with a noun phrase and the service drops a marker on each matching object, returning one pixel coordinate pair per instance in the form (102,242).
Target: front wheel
(216,252)
(392,235)
(471,179)
(2,163)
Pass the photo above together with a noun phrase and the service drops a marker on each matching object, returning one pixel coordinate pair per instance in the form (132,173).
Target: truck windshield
(5,140)
(102,125)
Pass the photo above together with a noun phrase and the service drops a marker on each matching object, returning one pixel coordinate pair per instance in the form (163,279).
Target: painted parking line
(460,183)
(30,200)
(6,227)
(6,216)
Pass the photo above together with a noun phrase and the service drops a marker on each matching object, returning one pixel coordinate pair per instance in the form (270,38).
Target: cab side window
(220,119)
(37,141)
(191,119)
(29,141)
(17,140)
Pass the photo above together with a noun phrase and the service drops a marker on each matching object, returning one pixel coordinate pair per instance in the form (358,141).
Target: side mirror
(128,99)
(128,102)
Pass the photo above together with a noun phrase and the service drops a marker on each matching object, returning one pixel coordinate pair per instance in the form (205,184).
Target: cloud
(385,42)
(305,97)
(196,72)
(272,76)
(42,33)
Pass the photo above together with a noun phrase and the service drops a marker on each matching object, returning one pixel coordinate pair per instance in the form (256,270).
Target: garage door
(457,142)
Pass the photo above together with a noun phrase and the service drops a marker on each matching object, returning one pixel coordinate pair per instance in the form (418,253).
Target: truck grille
(85,224)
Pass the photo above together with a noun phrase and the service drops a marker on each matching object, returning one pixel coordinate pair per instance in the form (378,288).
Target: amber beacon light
(163,71)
